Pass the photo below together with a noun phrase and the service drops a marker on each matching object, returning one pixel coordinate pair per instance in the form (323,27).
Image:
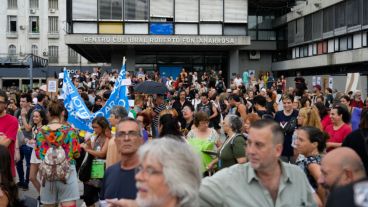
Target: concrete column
(1,83)
(233,63)
(130,56)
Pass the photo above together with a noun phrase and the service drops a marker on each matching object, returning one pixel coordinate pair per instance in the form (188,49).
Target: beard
(150,200)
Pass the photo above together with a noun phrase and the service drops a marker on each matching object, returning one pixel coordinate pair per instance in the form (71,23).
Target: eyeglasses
(147,171)
(130,134)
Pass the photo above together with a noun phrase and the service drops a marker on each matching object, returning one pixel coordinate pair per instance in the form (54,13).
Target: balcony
(34,35)
(12,35)
(53,35)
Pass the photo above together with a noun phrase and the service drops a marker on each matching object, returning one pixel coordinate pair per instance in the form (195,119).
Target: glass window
(365,12)
(162,8)
(314,48)
(84,9)
(72,56)
(236,11)
(210,29)
(53,4)
(328,19)
(12,4)
(211,10)
(308,28)
(337,46)
(266,35)
(343,43)
(111,9)
(357,40)
(12,23)
(340,15)
(34,50)
(53,54)
(252,34)
(235,29)
(34,24)
(265,22)
(365,39)
(301,52)
(136,9)
(186,29)
(186,10)
(353,12)
(325,47)
(252,22)
(350,42)
(297,54)
(33,4)
(317,26)
(331,45)
(291,32)
(305,50)
(320,48)
(53,25)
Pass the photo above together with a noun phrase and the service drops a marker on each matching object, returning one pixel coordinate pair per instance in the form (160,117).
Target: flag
(78,113)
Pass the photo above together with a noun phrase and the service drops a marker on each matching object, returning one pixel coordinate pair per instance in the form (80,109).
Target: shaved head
(340,167)
(346,158)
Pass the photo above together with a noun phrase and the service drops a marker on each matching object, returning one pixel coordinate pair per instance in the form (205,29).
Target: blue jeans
(25,153)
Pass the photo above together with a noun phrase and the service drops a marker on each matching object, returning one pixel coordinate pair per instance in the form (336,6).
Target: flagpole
(124,60)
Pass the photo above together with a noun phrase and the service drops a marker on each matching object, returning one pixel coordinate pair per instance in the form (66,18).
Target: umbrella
(151,87)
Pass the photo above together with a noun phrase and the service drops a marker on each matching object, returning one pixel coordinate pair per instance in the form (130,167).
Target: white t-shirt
(238,81)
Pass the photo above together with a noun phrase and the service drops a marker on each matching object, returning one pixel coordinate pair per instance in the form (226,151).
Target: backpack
(55,166)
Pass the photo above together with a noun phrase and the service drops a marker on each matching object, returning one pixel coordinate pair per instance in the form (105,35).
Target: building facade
(168,35)
(326,37)
(34,27)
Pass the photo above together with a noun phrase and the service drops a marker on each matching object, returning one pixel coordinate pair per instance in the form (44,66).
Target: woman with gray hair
(117,113)
(168,176)
(232,150)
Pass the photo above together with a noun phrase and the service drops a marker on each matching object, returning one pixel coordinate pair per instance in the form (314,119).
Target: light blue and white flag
(79,115)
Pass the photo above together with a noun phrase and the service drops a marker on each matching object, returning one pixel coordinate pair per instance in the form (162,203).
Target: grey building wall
(261,65)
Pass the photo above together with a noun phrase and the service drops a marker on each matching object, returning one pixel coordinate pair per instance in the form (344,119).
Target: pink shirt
(337,136)
(9,126)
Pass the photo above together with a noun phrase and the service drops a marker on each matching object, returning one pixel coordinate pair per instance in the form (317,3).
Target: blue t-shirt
(118,183)
(355,118)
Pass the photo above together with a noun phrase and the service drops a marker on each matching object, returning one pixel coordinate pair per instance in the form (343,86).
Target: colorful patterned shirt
(65,136)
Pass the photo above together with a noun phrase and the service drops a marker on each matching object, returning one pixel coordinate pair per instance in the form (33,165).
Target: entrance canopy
(100,48)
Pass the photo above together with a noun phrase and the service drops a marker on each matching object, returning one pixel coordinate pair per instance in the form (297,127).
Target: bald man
(340,167)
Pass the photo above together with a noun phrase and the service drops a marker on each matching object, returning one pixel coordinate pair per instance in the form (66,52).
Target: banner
(78,113)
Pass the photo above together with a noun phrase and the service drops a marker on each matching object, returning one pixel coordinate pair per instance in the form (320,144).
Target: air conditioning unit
(254,55)
(52,10)
(318,4)
(22,27)
(32,11)
(299,12)
(45,54)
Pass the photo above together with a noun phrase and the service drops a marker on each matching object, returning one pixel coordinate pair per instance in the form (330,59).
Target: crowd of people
(252,142)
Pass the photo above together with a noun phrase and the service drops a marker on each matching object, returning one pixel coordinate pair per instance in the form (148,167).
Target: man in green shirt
(264,181)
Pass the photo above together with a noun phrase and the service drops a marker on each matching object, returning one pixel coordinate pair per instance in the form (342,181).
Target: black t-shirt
(118,183)
(355,140)
(281,118)
(354,194)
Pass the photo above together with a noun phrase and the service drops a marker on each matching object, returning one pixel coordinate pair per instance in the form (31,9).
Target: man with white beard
(168,176)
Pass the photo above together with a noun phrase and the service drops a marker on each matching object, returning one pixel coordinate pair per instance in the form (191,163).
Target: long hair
(7,184)
(102,122)
(312,117)
(170,126)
